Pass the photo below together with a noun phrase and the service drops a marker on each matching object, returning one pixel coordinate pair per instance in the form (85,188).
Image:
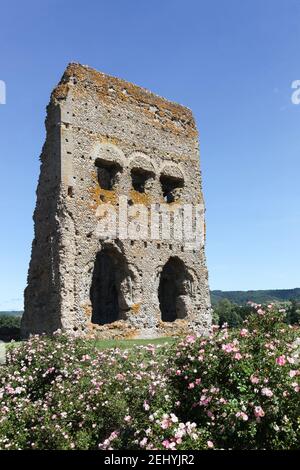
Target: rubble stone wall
(108,138)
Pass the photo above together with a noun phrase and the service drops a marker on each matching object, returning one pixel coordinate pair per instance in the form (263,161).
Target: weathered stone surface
(106,138)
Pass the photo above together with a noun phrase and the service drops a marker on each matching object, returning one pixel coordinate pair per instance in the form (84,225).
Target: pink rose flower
(292,373)
(166,444)
(266,392)
(190,339)
(244,332)
(243,416)
(281,360)
(259,412)
(227,347)
(146,406)
(165,424)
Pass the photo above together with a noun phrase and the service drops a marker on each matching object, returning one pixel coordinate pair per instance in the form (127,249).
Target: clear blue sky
(231,61)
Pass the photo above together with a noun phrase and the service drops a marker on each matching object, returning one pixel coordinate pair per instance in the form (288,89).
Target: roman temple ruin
(118,250)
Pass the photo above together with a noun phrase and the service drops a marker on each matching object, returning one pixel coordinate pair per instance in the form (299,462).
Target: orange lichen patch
(140,198)
(85,80)
(122,330)
(135,308)
(60,92)
(179,323)
(104,139)
(132,335)
(98,195)
(87,311)
(126,90)
(108,196)
(169,124)
(115,330)
(94,193)
(177,328)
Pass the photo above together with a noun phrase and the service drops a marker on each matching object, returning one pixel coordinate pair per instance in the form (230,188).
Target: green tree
(10,321)
(227,312)
(293,313)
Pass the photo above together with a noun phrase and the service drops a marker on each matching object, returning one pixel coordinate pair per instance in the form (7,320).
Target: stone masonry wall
(106,138)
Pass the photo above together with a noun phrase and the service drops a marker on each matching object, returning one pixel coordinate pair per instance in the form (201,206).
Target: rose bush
(236,389)
(243,385)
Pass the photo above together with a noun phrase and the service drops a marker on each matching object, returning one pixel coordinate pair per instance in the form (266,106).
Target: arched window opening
(141,179)
(107,173)
(171,187)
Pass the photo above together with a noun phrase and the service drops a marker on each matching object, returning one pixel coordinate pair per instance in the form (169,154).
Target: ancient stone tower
(115,151)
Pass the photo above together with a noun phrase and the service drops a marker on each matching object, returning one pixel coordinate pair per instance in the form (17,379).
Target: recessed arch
(142,172)
(172,181)
(108,173)
(109,161)
(175,285)
(108,152)
(111,287)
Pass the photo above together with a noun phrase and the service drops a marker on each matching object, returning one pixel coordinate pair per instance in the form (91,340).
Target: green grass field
(128,343)
(115,343)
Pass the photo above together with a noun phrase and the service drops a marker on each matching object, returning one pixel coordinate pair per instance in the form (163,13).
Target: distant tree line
(9,327)
(257,296)
(10,321)
(228,312)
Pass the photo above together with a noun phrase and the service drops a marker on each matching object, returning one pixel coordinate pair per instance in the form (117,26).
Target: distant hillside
(13,313)
(257,296)
(239,297)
